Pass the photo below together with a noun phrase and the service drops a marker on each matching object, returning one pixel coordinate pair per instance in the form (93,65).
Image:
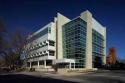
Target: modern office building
(76,43)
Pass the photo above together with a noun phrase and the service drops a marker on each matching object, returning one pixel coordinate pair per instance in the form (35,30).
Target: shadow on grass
(20,78)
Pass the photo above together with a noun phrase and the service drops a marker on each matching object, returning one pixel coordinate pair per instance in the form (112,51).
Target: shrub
(32,69)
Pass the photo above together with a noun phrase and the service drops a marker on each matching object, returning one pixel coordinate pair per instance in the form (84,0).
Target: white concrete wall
(41,58)
(52,35)
(98,27)
(42,28)
(39,50)
(61,20)
(92,24)
(48,36)
(104,58)
(87,16)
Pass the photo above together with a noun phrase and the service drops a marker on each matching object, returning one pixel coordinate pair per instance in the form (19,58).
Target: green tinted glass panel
(74,41)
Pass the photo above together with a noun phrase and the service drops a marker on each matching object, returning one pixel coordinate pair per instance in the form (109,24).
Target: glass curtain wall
(74,41)
(98,48)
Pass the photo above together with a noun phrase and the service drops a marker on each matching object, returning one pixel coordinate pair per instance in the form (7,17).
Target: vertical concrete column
(30,64)
(44,63)
(104,57)
(70,65)
(74,65)
(38,64)
(61,20)
(87,16)
(48,53)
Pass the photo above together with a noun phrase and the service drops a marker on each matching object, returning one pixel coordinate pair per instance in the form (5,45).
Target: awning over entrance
(64,61)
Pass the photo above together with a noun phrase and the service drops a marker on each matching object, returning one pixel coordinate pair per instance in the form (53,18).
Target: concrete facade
(45,47)
(61,20)
(87,16)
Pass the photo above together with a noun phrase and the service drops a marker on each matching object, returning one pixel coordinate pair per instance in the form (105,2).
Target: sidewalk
(92,77)
(65,77)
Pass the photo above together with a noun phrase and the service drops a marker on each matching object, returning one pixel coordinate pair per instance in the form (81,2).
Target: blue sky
(31,15)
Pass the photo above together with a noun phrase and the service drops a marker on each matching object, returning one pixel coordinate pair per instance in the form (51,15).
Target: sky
(31,15)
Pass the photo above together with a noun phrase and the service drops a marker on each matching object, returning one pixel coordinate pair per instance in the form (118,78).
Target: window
(98,41)
(40,52)
(49,29)
(51,43)
(41,43)
(41,33)
(51,53)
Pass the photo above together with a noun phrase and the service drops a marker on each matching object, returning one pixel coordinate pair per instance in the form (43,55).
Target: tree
(11,46)
(3,42)
(111,59)
(2,33)
(18,42)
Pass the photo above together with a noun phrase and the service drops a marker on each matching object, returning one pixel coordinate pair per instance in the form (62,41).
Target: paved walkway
(25,78)
(92,77)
